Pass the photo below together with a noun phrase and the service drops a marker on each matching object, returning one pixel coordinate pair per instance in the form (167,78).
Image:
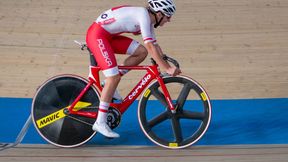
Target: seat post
(93,61)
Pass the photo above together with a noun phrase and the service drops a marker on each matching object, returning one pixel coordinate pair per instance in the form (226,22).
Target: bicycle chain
(88,107)
(79,120)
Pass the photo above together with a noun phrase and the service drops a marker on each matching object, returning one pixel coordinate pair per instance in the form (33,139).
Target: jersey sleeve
(146,28)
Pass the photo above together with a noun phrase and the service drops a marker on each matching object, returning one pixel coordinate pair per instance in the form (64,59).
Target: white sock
(102,113)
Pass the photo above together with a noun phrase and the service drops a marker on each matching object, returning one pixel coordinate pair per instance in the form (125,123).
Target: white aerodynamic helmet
(167,7)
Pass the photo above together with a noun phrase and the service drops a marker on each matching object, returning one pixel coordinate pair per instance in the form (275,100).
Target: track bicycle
(173,112)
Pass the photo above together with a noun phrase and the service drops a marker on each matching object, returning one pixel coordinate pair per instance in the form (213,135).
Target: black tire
(48,115)
(193,113)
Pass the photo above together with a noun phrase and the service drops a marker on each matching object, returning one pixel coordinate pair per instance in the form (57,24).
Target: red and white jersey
(128,19)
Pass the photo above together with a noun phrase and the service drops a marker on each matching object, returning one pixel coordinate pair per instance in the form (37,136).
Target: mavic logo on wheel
(49,119)
(204,98)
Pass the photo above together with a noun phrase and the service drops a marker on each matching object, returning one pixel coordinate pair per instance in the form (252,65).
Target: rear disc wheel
(49,117)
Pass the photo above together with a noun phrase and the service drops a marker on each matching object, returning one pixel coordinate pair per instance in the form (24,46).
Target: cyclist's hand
(173,71)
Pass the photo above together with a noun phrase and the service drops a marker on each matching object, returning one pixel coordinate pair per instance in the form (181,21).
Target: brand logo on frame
(139,87)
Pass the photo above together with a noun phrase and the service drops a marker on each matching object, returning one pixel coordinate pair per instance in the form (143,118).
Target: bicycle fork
(166,94)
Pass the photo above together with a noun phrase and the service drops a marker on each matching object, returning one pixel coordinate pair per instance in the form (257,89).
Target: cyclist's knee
(114,79)
(141,52)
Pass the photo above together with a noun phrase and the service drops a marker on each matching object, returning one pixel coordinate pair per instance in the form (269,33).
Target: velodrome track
(236,49)
(262,153)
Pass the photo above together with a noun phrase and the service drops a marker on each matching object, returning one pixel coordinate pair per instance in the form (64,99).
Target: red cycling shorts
(103,45)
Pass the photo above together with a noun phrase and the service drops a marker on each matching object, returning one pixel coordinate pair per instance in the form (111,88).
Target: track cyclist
(104,39)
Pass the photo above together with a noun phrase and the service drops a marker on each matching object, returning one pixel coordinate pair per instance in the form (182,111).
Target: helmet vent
(168,2)
(158,5)
(164,3)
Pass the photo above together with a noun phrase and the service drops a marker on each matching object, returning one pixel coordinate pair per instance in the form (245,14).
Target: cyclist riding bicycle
(104,39)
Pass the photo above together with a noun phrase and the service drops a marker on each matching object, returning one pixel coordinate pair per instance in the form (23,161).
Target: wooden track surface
(245,153)
(236,49)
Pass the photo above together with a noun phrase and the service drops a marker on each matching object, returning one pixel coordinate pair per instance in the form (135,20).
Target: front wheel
(187,125)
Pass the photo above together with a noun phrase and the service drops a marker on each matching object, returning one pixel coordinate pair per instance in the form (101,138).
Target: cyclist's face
(165,19)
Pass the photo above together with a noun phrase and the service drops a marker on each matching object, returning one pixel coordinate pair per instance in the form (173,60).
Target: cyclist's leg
(125,45)
(137,56)
(98,41)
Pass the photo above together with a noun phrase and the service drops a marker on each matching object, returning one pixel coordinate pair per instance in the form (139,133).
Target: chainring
(113,117)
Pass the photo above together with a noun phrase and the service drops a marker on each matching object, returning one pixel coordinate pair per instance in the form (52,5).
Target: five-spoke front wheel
(180,129)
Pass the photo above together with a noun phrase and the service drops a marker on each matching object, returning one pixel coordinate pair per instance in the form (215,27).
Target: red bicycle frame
(152,73)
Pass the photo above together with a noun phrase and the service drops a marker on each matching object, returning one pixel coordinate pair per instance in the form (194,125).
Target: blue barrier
(243,121)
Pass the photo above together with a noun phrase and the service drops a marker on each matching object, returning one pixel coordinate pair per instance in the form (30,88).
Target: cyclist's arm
(156,53)
(158,49)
